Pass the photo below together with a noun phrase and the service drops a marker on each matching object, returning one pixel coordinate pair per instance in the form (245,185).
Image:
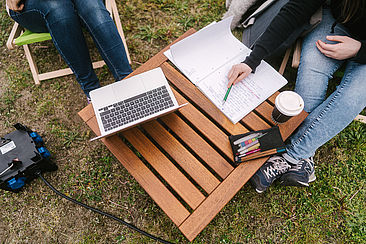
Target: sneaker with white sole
(271,170)
(300,174)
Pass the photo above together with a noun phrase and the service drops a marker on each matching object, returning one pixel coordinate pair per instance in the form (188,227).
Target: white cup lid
(289,103)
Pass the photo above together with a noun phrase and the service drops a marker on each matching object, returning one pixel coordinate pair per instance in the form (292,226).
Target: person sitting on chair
(64,20)
(339,39)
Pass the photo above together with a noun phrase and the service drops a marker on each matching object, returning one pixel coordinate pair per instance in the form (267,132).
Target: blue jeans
(327,115)
(64,19)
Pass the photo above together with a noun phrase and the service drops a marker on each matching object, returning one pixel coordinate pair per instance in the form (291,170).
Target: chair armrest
(15,32)
(297,54)
(361,118)
(117,21)
(108,6)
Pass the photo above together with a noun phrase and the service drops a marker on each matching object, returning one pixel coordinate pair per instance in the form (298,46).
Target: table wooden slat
(148,181)
(273,97)
(204,125)
(293,123)
(198,145)
(176,179)
(253,122)
(87,114)
(265,110)
(182,156)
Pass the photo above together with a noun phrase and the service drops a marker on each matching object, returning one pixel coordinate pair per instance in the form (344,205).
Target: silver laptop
(129,102)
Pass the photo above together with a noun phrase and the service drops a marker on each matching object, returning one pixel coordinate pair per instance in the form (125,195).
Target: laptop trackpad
(128,88)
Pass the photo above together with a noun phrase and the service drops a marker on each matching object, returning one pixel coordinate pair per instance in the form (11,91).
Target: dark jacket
(294,14)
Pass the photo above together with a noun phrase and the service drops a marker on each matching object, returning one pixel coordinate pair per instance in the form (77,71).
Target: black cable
(101,212)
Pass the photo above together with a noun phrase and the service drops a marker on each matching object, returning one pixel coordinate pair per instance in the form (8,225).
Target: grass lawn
(331,210)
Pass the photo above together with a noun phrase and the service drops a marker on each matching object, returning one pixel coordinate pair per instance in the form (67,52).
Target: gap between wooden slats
(147,180)
(204,125)
(182,156)
(254,122)
(265,110)
(272,98)
(185,189)
(198,145)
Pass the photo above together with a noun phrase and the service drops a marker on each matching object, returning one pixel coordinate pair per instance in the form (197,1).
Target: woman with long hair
(340,39)
(64,20)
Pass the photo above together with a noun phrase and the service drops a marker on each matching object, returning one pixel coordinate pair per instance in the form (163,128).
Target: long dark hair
(352,9)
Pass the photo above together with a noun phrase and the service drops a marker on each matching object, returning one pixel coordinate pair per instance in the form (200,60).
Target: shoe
(300,174)
(271,170)
(88,100)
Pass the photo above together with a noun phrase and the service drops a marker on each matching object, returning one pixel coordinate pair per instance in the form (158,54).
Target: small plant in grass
(120,238)
(71,137)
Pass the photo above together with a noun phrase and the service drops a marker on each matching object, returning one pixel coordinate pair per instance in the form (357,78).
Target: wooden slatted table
(189,151)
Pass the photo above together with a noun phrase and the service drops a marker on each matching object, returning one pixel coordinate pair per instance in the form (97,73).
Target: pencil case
(256,144)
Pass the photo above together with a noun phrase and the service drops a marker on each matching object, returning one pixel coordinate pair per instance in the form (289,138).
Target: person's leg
(314,72)
(334,114)
(315,69)
(105,34)
(327,117)
(325,122)
(60,19)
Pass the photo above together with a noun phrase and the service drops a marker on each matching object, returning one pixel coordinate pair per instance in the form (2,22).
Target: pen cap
(289,103)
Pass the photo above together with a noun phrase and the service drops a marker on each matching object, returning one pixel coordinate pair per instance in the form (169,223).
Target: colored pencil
(250,152)
(243,144)
(249,149)
(263,154)
(248,146)
(246,138)
(227,94)
(259,135)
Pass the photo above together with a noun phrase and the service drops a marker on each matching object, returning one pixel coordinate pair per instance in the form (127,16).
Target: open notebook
(206,57)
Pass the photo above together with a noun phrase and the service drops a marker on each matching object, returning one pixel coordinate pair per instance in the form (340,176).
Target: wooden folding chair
(20,37)
(295,64)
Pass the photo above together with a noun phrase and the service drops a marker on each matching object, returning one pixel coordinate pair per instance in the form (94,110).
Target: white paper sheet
(245,95)
(206,57)
(204,52)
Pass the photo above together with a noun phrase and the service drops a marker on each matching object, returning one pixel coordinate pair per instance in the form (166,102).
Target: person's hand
(346,47)
(15,5)
(237,73)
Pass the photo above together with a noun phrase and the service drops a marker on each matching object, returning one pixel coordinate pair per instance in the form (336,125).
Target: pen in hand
(227,94)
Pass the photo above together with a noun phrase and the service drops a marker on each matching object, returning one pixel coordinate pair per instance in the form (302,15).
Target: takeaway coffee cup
(287,105)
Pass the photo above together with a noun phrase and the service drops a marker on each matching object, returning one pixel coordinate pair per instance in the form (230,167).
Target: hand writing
(237,73)
(15,5)
(346,47)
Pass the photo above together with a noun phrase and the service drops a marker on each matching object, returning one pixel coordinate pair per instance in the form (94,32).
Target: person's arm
(361,55)
(294,14)
(15,5)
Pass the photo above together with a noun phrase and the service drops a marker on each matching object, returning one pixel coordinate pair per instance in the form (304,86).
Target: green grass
(332,210)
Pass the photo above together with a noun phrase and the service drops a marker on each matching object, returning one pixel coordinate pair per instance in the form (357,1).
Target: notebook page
(245,95)
(205,51)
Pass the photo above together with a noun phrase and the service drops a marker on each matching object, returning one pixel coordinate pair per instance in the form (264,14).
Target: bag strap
(251,19)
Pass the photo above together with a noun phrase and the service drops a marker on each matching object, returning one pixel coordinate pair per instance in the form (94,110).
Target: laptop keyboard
(134,108)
